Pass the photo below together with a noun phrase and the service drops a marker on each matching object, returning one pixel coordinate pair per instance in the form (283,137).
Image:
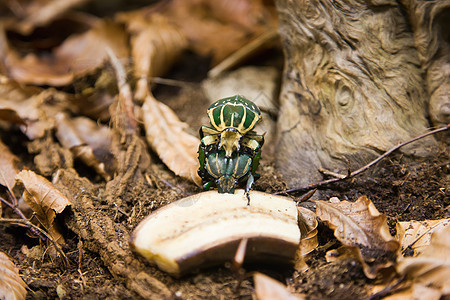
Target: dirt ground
(402,188)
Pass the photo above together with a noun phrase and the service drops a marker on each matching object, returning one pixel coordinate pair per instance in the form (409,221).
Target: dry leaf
(88,141)
(77,56)
(23,105)
(165,134)
(11,284)
(39,13)
(8,169)
(417,234)
(250,14)
(11,116)
(96,106)
(308,229)
(219,28)
(431,268)
(359,224)
(155,42)
(45,200)
(267,288)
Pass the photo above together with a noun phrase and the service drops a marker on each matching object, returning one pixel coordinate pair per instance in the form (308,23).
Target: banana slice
(205,229)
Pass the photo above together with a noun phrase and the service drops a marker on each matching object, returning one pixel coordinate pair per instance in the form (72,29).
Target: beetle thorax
(229,141)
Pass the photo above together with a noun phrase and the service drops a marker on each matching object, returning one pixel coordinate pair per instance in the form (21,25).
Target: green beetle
(232,120)
(227,173)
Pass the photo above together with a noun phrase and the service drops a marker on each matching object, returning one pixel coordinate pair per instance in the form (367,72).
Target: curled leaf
(40,13)
(308,228)
(8,169)
(11,116)
(11,284)
(417,234)
(165,134)
(78,55)
(267,288)
(88,141)
(307,223)
(431,268)
(155,43)
(45,200)
(360,225)
(217,28)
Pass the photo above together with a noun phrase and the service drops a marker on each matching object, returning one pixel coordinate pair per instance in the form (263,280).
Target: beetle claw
(250,182)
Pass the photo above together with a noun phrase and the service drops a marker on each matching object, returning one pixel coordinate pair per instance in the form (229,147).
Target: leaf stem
(41,232)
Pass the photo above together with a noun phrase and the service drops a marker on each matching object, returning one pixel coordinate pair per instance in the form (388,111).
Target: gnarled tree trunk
(353,86)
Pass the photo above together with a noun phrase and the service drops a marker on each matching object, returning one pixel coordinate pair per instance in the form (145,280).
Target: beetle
(232,121)
(226,173)
(230,149)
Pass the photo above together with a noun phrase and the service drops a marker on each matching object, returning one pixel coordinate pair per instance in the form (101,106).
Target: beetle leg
(249,186)
(208,185)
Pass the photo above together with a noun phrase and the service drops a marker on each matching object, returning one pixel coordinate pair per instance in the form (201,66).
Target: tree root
(362,169)
(102,235)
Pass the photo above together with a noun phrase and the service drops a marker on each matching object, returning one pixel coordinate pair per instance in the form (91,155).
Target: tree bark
(353,86)
(430,21)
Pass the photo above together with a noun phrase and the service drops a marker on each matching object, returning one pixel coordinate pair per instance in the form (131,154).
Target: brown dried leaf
(8,169)
(165,134)
(39,13)
(11,284)
(77,56)
(359,224)
(219,28)
(155,42)
(267,288)
(250,14)
(45,200)
(429,272)
(11,116)
(19,105)
(88,141)
(417,234)
(307,223)
(96,105)
(33,109)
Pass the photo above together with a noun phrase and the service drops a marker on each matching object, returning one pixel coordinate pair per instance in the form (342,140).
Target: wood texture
(353,86)
(430,21)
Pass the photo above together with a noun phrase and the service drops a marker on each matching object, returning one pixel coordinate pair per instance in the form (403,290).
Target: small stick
(19,212)
(445,222)
(42,232)
(243,53)
(172,82)
(238,260)
(364,168)
(331,173)
(125,99)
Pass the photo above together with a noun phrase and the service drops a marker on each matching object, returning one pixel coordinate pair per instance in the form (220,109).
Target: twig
(364,168)
(243,53)
(125,99)
(331,173)
(31,225)
(172,82)
(444,222)
(13,206)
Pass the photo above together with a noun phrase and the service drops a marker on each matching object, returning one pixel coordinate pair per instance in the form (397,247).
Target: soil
(101,263)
